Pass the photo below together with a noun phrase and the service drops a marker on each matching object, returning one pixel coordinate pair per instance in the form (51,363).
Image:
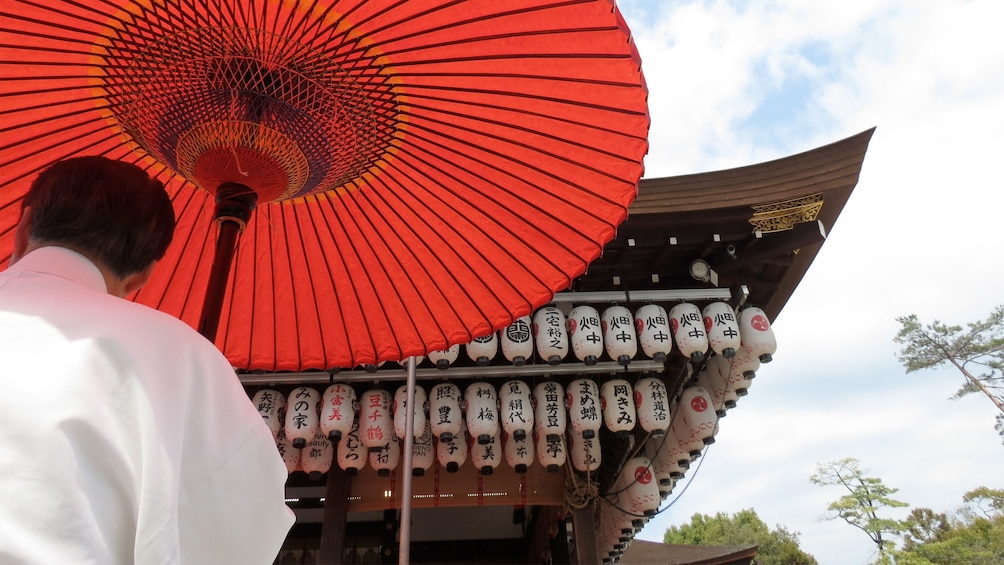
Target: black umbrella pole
(234,204)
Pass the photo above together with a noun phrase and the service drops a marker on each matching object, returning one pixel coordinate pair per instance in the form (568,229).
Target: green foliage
(775,547)
(968,538)
(865,498)
(977,352)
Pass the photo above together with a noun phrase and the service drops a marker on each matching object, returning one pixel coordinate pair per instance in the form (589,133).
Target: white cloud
(734,83)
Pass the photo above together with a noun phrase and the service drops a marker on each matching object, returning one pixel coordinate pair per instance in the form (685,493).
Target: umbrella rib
(505,93)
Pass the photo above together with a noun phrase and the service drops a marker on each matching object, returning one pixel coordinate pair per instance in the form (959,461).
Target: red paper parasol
(424,171)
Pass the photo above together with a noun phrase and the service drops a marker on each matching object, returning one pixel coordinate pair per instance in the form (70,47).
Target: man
(124,435)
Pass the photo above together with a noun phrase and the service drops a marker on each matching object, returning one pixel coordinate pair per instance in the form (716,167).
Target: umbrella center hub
(225,104)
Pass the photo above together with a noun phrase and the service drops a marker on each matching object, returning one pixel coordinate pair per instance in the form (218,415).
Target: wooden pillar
(336,511)
(584,531)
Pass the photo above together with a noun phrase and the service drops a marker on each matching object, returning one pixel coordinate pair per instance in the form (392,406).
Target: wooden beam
(336,510)
(584,530)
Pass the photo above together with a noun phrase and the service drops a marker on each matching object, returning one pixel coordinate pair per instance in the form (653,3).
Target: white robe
(125,436)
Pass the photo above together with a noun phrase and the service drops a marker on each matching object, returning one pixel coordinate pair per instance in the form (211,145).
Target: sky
(737,83)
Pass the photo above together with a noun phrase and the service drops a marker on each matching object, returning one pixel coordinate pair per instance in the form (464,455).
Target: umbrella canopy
(424,172)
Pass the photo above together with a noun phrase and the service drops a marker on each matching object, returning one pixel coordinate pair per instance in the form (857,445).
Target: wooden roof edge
(753,184)
(651,552)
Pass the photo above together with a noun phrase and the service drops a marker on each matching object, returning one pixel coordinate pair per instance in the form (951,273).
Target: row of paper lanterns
(617,332)
(648,479)
(551,423)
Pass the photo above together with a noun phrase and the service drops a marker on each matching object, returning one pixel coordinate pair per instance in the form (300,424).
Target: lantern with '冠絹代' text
(445,415)
(271,405)
(338,411)
(722,327)
(401,412)
(651,323)
(618,334)
(584,410)
(550,334)
(350,452)
(302,418)
(756,333)
(585,333)
(444,358)
(652,404)
(483,349)
(516,408)
(516,341)
(481,407)
(687,326)
(376,425)
(619,413)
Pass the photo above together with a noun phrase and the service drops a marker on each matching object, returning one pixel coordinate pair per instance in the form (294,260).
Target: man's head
(110,211)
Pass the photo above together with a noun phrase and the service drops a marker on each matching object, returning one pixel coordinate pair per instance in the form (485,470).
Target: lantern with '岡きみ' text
(619,412)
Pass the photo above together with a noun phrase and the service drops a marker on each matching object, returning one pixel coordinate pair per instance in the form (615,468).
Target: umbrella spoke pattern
(425,172)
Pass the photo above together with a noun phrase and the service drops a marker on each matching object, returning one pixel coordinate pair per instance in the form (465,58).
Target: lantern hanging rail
(435,374)
(739,294)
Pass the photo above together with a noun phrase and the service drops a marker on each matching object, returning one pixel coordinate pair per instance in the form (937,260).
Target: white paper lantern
(350,452)
(290,454)
(619,412)
(550,335)
(481,406)
(451,453)
(386,458)
(652,403)
(519,453)
(619,334)
(445,414)
(302,406)
(315,458)
(486,456)
(584,409)
(585,454)
(687,326)
(585,332)
(376,424)
(757,334)
(483,349)
(516,408)
(423,453)
(651,323)
(551,451)
(714,378)
(446,357)
(271,405)
(722,327)
(696,421)
(401,412)
(638,486)
(516,341)
(550,418)
(667,470)
(742,369)
(338,411)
